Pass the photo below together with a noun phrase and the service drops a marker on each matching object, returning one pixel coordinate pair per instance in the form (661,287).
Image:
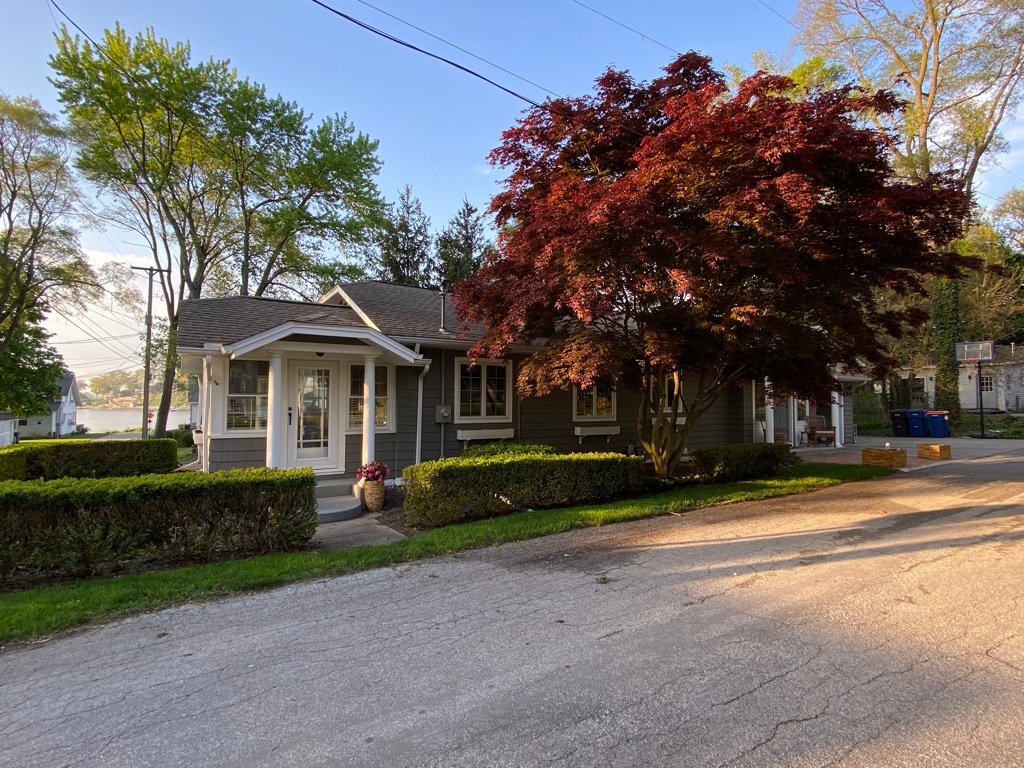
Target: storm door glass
(314,389)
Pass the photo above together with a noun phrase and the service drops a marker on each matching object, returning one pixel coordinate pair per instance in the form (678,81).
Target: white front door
(314,420)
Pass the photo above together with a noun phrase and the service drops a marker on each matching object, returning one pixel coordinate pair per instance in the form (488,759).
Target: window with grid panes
(355,399)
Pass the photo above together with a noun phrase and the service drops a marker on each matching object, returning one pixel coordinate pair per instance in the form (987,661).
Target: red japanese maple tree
(683,239)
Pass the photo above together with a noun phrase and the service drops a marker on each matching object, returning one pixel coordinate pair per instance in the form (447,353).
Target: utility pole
(149,348)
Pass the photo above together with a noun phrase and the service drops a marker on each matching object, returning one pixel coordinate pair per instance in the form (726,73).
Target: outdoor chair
(818,430)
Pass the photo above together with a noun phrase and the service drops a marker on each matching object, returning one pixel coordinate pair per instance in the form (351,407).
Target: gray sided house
(379,371)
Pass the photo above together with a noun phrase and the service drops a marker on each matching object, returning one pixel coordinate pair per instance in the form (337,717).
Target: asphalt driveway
(877,623)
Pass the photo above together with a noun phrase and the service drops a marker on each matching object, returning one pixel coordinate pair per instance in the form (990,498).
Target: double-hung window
(248,381)
(595,403)
(483,391)
(382,398)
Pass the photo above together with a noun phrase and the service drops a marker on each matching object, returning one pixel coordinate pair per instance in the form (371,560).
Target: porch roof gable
(242,324)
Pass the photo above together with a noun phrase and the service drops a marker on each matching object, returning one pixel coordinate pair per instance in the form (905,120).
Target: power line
(788,21)
(456,47)
(417,49)
(1007,170)
(88,333)
(626,26)
(102,338)
(543,106)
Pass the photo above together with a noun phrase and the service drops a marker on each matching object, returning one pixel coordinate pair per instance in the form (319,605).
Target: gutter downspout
(419,408)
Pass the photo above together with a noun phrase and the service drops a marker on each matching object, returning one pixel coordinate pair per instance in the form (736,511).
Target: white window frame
(988,382)
(594,417)
(388,428)
(242,431)
(483,419)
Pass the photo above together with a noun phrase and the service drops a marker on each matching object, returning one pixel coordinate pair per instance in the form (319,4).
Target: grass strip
(43,611)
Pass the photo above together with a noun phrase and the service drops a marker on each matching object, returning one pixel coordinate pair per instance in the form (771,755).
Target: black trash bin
(900,425)
(916,423)
(938,423)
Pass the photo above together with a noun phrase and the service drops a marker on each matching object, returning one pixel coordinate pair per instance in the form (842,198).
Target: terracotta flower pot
(373,495)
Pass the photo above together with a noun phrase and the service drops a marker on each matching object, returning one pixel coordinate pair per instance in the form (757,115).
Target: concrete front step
(331,509)
(334,485)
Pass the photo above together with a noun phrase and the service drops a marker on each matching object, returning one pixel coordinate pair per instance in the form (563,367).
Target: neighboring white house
(1001,380)
(61,419)
(8,426)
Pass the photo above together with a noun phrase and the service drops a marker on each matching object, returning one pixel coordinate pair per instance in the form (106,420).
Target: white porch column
(369,408)
(769,413)
(837,419)
(275,397)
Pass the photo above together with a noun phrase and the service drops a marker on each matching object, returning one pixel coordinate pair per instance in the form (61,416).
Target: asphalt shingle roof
(230,319)
(407,311)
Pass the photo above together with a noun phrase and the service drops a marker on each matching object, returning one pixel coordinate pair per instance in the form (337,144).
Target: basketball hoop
(970,361)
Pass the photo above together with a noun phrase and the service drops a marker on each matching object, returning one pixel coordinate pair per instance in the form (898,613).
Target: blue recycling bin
(938,423)
(916,423)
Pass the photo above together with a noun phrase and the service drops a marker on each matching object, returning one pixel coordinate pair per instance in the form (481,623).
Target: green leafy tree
(115,383)
(991,299)
(42,268)
(29,371)
(401,251)
(296,188)
(140,109)
(1008,216)
(958,64)
(461,246)
(231,190)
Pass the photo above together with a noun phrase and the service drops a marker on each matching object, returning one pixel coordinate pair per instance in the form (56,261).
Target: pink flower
(375,470)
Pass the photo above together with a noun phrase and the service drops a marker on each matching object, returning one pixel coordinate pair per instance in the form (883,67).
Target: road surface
(877,623)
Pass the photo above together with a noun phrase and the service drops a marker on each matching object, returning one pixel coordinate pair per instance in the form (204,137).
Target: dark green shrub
(77,526)
(453,490)
(87,458)
(182,437)
(744,461)
(505,449)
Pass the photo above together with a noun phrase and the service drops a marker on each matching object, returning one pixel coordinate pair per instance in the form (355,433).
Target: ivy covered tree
(683,239)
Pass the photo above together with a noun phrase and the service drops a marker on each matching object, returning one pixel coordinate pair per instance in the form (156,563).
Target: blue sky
(435,124)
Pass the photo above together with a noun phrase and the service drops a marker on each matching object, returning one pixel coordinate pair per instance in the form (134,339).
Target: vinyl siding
(237,452)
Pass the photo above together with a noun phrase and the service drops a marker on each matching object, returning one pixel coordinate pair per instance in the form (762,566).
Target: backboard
(974,351)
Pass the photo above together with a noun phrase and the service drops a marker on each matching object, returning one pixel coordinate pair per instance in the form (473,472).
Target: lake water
(122,419)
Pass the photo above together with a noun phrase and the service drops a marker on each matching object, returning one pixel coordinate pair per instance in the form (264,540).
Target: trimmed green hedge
(503,448)
(183,437)
(87,458)
(454,490)
(743,461)
(86,526)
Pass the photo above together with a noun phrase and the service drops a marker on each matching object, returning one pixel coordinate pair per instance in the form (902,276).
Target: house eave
(370,335)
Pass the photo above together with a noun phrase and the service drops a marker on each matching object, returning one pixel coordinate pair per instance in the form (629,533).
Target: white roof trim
(370,335)
(337,292)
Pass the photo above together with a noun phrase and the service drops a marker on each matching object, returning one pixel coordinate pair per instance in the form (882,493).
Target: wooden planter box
(926,451)
(880,457)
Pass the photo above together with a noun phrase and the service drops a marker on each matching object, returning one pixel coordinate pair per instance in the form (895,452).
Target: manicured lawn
(46,610)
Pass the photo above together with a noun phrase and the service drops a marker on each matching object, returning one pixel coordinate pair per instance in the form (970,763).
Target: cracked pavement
(877,623)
